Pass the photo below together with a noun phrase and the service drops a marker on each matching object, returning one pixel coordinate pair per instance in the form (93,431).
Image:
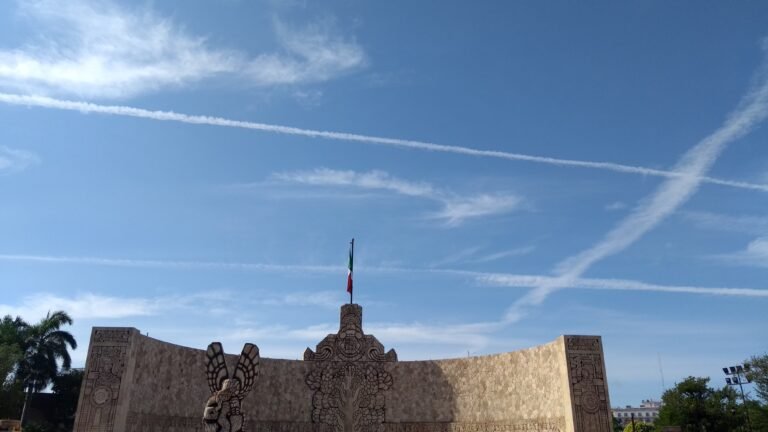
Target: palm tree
(43,346)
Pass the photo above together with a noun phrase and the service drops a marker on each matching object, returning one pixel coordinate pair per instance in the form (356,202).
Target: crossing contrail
(664,201)
(118,110)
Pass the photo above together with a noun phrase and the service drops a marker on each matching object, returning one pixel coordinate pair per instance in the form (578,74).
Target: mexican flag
(349,273)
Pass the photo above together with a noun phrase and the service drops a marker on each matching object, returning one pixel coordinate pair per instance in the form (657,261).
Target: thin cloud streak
(87,107)
(367,180)
(162,264)
(456,209)
(15,160)
(669,196)
(85,306)
(484,278)
(535,281)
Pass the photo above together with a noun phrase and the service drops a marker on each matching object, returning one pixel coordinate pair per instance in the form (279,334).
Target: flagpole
(351,261)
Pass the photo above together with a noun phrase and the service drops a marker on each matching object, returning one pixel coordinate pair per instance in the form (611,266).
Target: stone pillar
(587,384)
(103,403)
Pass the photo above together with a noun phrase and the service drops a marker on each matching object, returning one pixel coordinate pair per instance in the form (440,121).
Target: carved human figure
(222,412)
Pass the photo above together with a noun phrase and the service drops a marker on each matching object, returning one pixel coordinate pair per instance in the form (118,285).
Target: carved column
(349,377)
(99,408)
(588,384)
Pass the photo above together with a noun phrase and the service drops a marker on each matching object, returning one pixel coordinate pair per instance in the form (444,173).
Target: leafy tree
(694,406)
(11,352)
(44,345)
(11,345)
(617,425)
(9,357)
(66,390)
(759,375)
(640,427)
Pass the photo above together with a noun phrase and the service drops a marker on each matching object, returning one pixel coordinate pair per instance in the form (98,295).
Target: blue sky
(511,171)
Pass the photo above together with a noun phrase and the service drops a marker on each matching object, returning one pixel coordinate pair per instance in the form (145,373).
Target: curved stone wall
(136,383)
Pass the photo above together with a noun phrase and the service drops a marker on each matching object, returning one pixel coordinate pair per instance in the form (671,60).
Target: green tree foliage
(66,388)
(695,407)
(759,375)
(11,352)
(640,427)
(11,345)
(44,345)
(617,425)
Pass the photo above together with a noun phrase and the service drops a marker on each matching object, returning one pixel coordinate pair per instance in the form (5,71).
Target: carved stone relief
(349,378)
(144,422)
(527,426)
(106,365)
(222,411)
(591,407)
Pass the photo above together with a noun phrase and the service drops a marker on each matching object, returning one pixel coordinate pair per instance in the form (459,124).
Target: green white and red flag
(349,267)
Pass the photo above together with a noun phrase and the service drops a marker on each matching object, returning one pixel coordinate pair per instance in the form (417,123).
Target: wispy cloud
(473,255)
(118,110)
(754,255)
(525,250)
(461,337)
(535,281)
(747,224)
(315,53)
(616,205)
(83,306)
(14,160)
(323,298)
(99,49)
(171,264)
(669,196)
(365,180)
(455,209)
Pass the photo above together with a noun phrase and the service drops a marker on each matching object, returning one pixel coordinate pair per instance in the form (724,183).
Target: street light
(737,376)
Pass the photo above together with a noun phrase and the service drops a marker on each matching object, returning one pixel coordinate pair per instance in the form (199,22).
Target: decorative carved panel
(527,426)
(144,422)
(106,365)
(349,378)
(589,387)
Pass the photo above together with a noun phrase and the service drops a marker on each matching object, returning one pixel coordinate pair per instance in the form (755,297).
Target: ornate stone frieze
(222,411)
(589,389)
(146,422)
(557,425)
(349,378)
(107,358)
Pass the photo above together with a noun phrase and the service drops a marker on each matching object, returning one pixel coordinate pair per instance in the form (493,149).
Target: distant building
(647,412)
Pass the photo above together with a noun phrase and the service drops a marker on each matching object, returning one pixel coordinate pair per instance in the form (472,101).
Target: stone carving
(222,411)
(591,407)
(145,422)
(349,379)
(527,426)
(106,365)
(120,336)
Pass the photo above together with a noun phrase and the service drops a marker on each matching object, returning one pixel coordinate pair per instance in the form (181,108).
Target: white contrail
(534,281)
(669,196)
(87,107)
(170,264)
(494,279)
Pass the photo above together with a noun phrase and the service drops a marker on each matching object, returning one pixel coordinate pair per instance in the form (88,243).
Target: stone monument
(347,383)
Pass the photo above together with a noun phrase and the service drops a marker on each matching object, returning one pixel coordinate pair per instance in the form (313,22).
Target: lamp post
(736,375)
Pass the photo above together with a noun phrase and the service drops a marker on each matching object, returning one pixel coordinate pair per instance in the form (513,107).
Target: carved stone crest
(349,378)
(586,373)
(223,409)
